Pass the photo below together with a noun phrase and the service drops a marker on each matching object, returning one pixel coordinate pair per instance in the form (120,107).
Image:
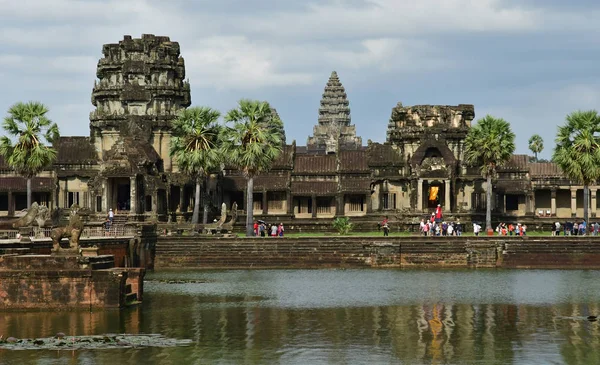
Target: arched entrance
(434,192)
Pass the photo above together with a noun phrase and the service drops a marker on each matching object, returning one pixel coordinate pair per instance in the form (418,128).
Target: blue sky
(530,62)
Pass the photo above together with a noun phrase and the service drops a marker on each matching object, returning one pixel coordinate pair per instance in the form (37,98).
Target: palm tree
(195,146)
(253,143)
(536,145)
(32,133)
(489,144)
(577,150)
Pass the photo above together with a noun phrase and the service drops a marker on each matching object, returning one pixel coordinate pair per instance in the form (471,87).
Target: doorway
(433,194)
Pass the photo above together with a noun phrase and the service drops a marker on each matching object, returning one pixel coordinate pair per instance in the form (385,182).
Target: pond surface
(339,317)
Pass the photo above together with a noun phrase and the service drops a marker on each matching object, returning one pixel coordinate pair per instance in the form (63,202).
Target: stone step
(102,262)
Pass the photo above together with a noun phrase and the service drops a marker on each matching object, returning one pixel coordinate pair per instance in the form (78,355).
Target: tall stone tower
(140,89)
(334,131)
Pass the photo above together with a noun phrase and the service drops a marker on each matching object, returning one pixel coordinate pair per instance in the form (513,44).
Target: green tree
(489,144)
(252,144)
(577,150)
(196,148)
(32,133)
(536,145)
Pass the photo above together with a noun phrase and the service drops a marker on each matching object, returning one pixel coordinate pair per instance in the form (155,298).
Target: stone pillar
(593,192)
(11,204)
(552,202)
(313,199)
(531,205)
(573,202)
(369,203)
(447,207)
(265,202)
(420,195)
(155,202)
(290,205)
(105,193)
(339,204)
(132,195)
(182,198)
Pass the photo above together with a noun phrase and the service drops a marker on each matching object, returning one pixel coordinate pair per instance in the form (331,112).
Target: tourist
(458,228)
(556,228)
(438,214)
(511,229)
(575,229)
(255,228)
(444,228)
(280,230)
(524,230)
(476,229)
(582,228)
(386,227)
(451,229)
(261,229)
(422,227)
(111,215)
(274,228)
(426,229)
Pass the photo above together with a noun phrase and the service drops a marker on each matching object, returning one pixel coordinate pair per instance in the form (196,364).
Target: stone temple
(124,164)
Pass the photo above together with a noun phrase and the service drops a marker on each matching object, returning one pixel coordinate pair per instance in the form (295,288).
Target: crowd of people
(436,226)
(509,229)
(262,229)
(576,228)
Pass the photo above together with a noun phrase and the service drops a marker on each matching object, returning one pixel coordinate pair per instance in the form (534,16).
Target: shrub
(343,225)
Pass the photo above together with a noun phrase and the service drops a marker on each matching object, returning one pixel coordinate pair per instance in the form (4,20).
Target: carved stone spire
(276,115)
(334,130)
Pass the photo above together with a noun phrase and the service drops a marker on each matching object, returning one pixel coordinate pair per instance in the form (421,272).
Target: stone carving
(228,227)
(216,227)
(334,129)
(36,213)
(72,231)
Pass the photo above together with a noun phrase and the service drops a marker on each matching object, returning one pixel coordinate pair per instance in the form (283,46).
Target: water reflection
(320,317)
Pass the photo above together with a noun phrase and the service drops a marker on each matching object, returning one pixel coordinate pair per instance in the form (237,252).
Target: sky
(530,62)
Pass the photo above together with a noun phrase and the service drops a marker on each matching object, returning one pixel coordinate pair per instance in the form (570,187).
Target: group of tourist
(436,226)
(262,229)
(576,228)
(504,229)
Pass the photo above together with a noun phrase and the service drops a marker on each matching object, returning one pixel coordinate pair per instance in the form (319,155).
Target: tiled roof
(19,184)
(513,186)
(315,164)
(353,161)
(268,182)
(75,150)
(383,155)
(519,162)
(314,187)
(538,169)
(356,184)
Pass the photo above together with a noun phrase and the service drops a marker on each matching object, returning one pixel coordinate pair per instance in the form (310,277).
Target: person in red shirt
(255,228)
(438,214)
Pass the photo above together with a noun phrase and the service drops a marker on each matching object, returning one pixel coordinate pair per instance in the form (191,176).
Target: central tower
(334,131)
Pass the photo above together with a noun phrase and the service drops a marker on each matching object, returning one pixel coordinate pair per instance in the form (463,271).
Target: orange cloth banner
(433,193)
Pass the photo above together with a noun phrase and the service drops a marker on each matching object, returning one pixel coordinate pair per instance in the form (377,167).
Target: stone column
(132,195)
(155,201)
(420,195)
(105,195)
(290,205)
(11,204)
(573,202)
(369,203)
(339,204)
(313,199)
(447,207)
(265,202)
(593,192)
(552,202)
(182,198)
(531,206)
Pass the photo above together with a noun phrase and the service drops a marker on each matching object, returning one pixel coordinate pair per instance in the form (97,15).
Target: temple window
(389,201)
(72,198)
(512,202)
(356,203)
(324,205)
(304,205)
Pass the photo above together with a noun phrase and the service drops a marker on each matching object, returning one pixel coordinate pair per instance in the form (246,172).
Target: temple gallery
(125,165)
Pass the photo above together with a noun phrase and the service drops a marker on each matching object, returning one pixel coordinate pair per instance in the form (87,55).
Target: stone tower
(334,131)
(140,89)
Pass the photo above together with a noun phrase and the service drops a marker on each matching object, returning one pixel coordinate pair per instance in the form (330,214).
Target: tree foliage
(32,133)
(577,150)
(252,144)
(196,148)
(536,145)
(489,144)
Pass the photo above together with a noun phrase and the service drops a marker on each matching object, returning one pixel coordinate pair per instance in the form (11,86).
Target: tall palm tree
(489,144)
(536,145)
(196,148)
(577,150)
(32,133)
(253,143)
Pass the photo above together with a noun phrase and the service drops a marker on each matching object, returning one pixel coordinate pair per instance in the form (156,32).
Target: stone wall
(59,282)
(397,252)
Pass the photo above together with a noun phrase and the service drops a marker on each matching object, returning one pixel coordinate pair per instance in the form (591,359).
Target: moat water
(340,317)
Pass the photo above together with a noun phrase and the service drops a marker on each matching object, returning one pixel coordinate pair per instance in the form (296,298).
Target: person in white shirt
(476,229)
